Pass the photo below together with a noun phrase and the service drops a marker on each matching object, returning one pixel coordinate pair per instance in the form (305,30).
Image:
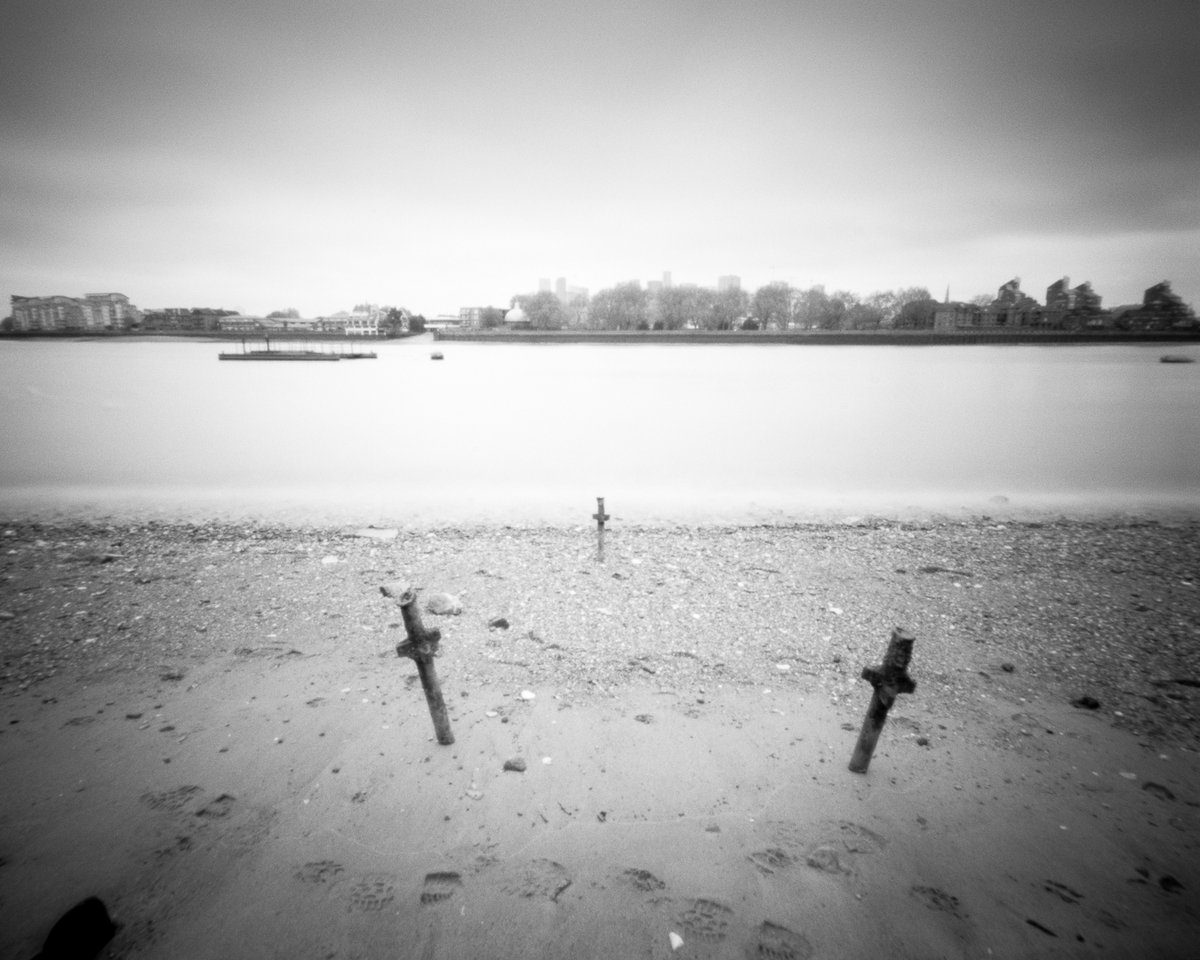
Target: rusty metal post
(890,679)
(600,516)
(421,646)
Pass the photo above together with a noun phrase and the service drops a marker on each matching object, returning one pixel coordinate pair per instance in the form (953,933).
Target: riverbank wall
(818,337)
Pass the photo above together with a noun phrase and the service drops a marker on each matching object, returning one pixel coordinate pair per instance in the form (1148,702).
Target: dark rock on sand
(80,933)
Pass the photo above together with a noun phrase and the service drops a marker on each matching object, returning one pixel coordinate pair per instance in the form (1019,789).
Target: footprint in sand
(791,837)
(319,871)
(706,921)
(779,943)
(372,893)
(538,879)
(1062,891)
(217,809)
(170,800)
(643,880)
(825,858)
(183,843)
(771,859)
(859,839)
(795,837)
(832,852)
(937,899)
(439,887)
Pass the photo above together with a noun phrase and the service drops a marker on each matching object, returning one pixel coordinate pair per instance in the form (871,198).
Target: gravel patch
(1107,610)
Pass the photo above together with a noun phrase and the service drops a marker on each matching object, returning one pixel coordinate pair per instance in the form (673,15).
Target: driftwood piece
(889,679)
(421,646)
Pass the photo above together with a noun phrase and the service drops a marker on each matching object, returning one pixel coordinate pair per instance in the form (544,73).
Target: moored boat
(279,355)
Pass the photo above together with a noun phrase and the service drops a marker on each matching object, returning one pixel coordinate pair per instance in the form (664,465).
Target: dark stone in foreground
(80,933)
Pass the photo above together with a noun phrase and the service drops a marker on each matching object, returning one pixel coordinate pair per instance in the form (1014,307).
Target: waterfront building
(1058,295)
(954,314)
(184,318)
(91,312)
(517,319)
(1011,308)
(1070,307)
(249,323)
(1161,309)
(362,324)
(566,293)
(657,286)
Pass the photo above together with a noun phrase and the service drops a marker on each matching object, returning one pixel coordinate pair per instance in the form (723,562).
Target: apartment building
(91,312)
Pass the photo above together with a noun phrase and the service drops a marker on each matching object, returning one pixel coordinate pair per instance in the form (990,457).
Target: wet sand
(208,727)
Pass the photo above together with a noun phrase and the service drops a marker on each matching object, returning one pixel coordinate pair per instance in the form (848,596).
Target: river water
(534,433)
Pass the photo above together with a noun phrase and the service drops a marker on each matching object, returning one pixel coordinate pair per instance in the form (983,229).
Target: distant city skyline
(1066,307)
(435,155)
(567,292)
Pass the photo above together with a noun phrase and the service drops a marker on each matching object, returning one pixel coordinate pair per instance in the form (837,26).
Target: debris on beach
(444,605)
(377,533)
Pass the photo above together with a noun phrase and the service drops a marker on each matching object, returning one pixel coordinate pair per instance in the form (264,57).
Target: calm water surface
(535,433)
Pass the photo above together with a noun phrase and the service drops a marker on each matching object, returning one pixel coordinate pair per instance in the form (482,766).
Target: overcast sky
(263,154)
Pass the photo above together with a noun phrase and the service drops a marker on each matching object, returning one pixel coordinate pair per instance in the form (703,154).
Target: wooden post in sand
(421,646)
(600,516)
(890,679)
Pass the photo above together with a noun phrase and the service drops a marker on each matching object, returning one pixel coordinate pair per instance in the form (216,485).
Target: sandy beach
(207,726)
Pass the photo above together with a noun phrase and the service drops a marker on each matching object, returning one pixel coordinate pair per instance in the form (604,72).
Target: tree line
(775,306)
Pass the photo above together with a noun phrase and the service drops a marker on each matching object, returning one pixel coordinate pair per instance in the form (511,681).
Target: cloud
(448,153)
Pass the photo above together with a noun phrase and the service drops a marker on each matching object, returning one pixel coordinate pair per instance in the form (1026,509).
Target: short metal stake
(890,679)
(600,516)
(421,646)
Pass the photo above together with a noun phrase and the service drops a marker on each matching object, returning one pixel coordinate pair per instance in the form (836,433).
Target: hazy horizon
(435,155)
